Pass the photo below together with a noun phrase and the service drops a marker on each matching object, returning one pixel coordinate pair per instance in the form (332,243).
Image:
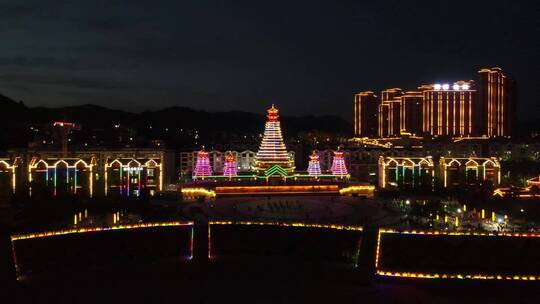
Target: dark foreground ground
(255,281)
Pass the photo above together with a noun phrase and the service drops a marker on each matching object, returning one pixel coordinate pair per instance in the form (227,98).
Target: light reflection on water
(88,218)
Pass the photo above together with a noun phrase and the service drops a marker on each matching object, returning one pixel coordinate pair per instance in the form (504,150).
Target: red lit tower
(230,168)
(202,166)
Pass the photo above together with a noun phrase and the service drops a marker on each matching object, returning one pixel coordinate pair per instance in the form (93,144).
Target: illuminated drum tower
(272,158)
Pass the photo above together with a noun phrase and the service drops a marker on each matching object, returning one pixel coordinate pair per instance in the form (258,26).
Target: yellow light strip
(421,275)
(447,114)
(469,122)
(439,113)
(357,189)
(285,224)
(161,176)
(13,177)
(504,130)
(454,113)
(461,233)
(357,121)
(431,113)
(91,181)
(18,237)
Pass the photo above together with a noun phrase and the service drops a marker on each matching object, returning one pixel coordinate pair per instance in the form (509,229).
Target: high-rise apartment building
(365,114)
(448,109)
(496,102)
(459,109)
(411,112)
(389,112)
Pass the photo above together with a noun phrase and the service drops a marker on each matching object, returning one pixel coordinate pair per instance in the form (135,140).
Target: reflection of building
(469,171)
(365,114)
(406,172)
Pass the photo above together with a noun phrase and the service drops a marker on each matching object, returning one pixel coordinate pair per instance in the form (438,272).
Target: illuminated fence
(53,251)
(304,241)
(399,254)
(458,255)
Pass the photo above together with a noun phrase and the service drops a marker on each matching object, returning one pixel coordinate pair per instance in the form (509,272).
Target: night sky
(308,57)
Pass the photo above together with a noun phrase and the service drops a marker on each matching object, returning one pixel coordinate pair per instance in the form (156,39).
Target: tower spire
(272,151)
(338,164)
(202,166)
(314,167)
(230,169)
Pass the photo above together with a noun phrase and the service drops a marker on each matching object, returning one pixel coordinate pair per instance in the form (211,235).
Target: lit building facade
(448,109)
(389,113)
(131,176)
(64,174)
(8,177)
(245,160)
(125,172)
(496,102)
(406,172)
(459,172)
(411,112)
(366,107)
(470,108)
